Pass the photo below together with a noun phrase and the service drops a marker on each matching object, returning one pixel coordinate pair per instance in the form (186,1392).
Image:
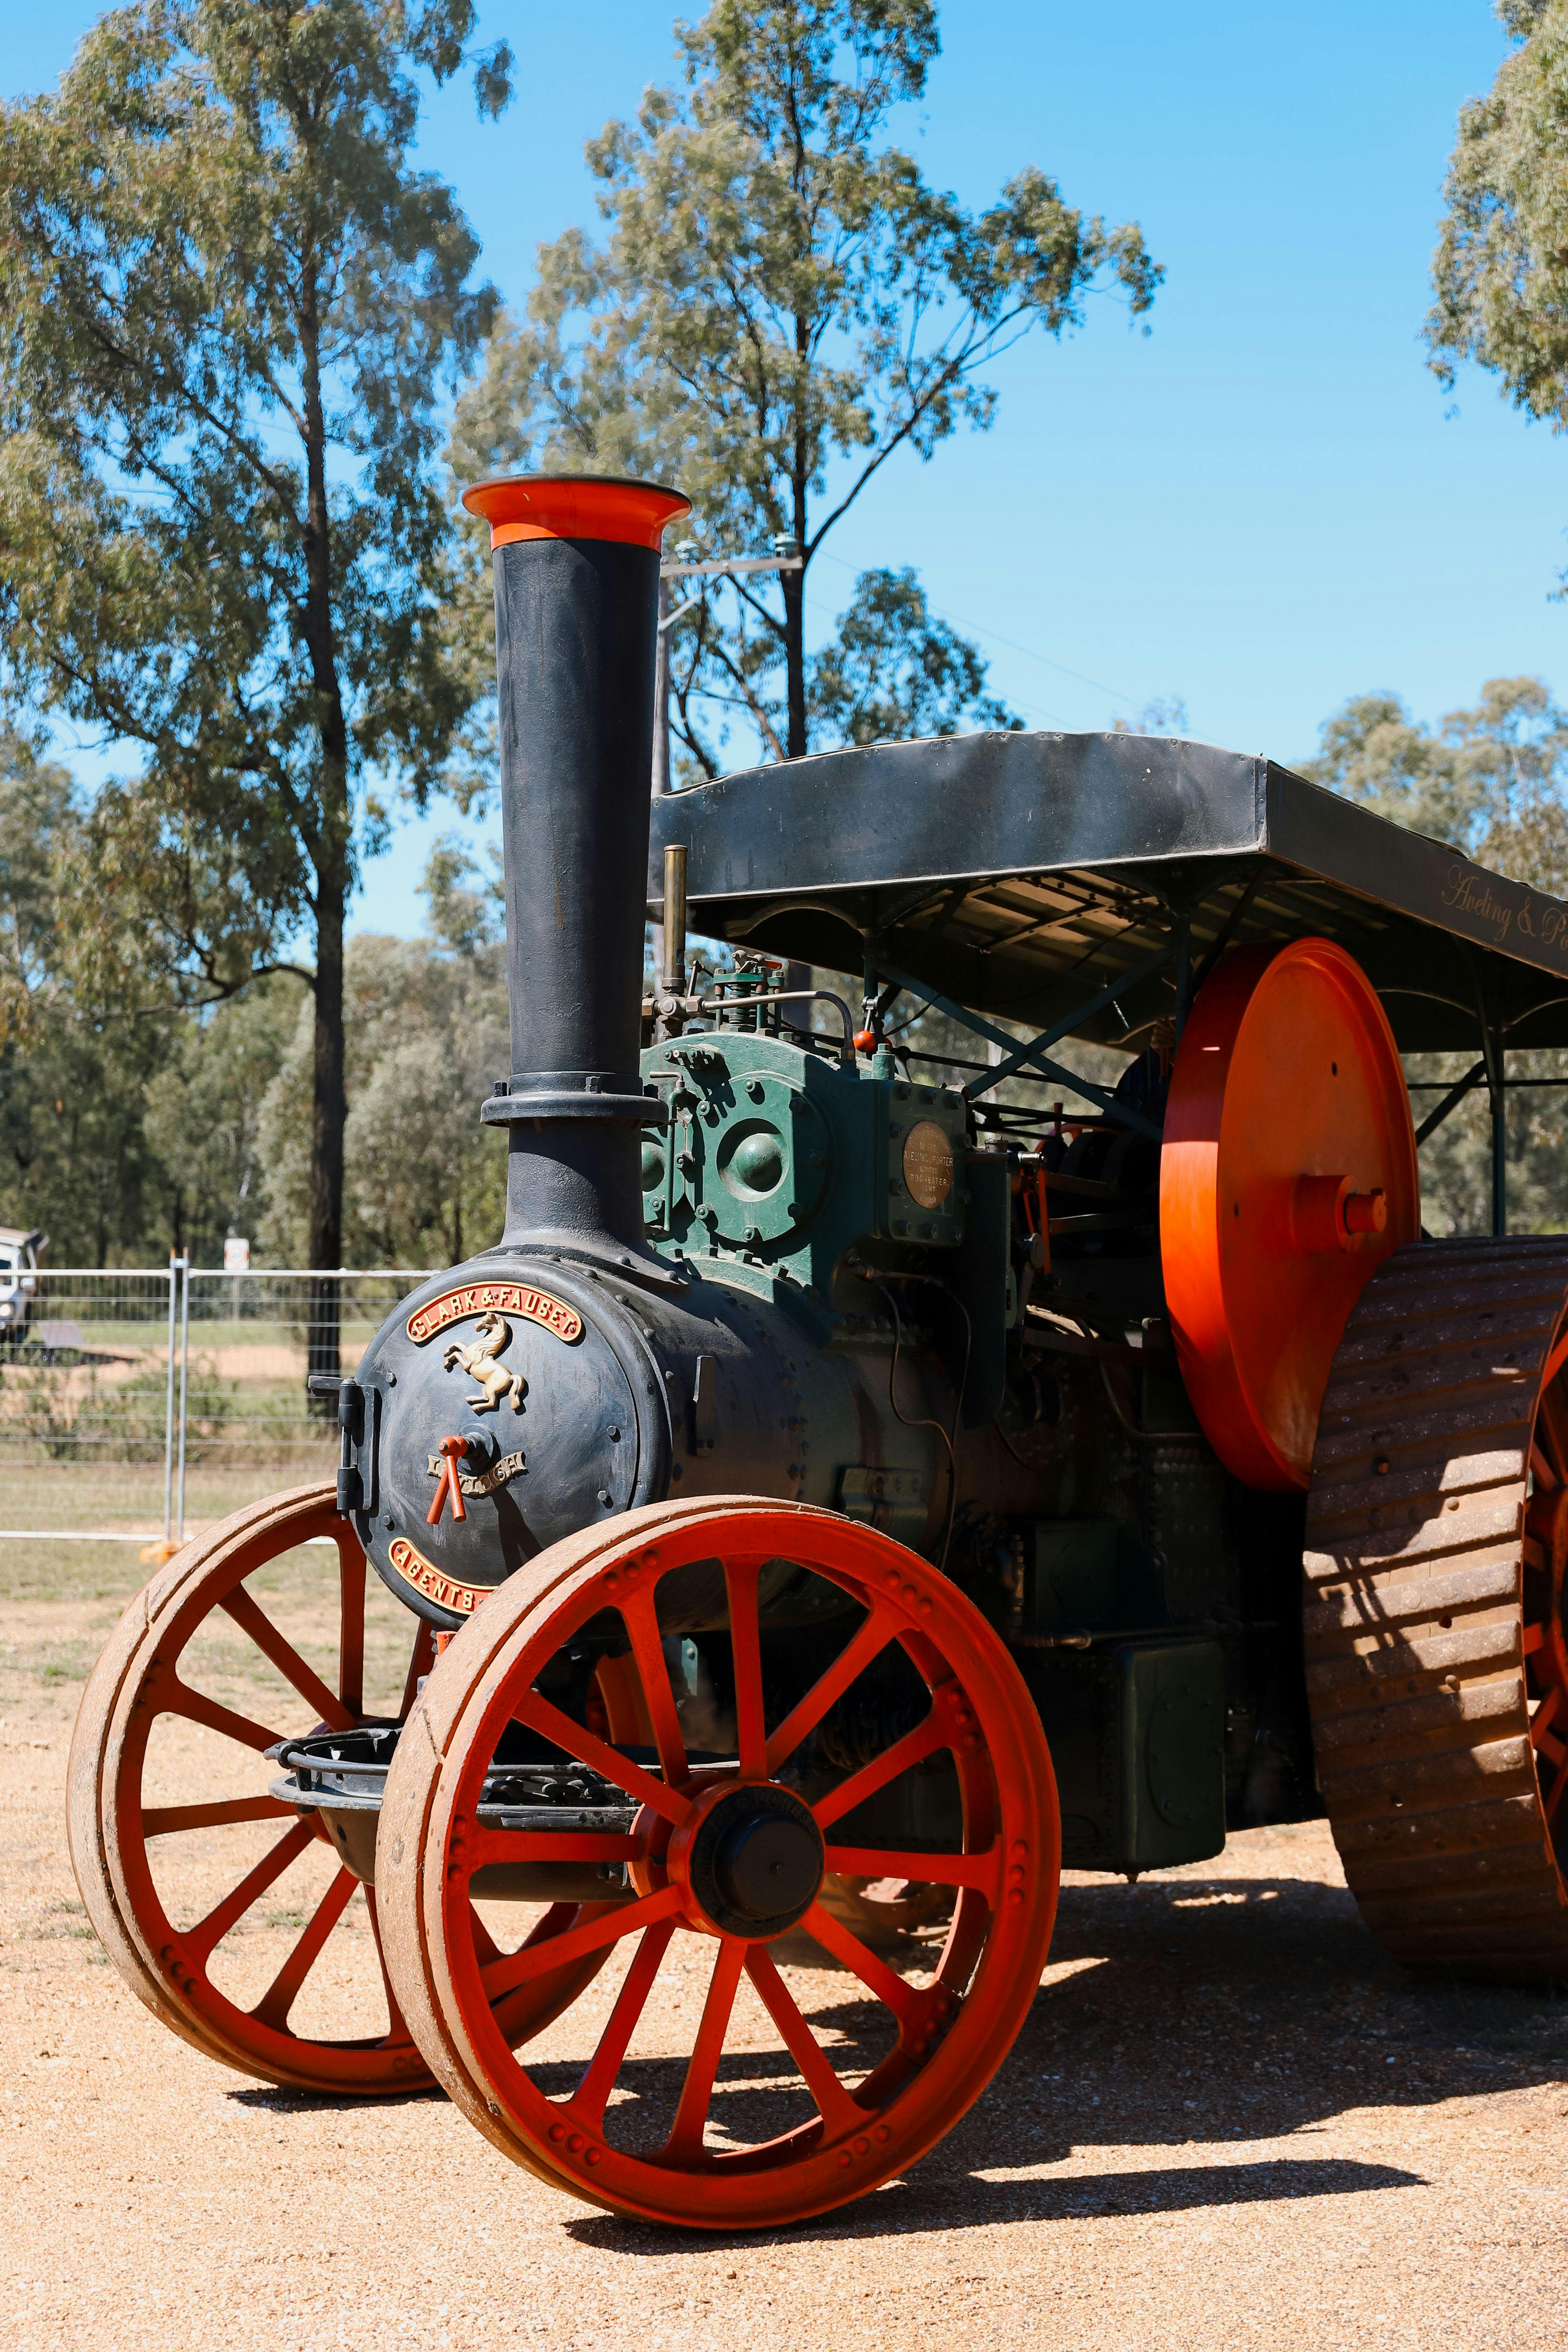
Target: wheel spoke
(555,1922)
(279,1998)
(351,1639)
(1545,1477)
(869,1643)
(421,1659)
(639,1616)
(539,1959)
(170,1820)
(539,1715)
(1555,1360)
(745,1646)
(202,1939)
(922,1741)
(591,2097)
(173,1696)
(486,1948)
(685,2141)
(876,1976)
(980,1870)
(839,2110)
(396,2023)
(254,1620)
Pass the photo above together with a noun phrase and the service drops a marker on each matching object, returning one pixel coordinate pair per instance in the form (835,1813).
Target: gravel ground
(1228,2122)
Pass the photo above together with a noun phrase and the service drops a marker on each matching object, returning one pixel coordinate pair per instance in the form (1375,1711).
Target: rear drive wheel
(1436,1667)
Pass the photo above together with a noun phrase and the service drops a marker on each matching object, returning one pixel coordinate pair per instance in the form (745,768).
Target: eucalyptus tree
(781,306)
(232,311)
(1500,275)
(1493,780)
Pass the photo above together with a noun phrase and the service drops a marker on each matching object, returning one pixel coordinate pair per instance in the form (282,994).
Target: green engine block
(782,1154)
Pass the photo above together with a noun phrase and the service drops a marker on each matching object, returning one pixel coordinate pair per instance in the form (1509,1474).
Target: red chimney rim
(575,506)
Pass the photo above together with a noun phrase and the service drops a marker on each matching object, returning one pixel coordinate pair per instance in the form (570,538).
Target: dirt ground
(1228,2122)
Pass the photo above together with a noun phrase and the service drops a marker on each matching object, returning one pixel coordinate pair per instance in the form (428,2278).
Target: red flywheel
(1287,1174)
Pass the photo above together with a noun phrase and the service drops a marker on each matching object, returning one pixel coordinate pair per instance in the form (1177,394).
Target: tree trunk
(794,583)
(328,1101)
(329,855)
(794,586)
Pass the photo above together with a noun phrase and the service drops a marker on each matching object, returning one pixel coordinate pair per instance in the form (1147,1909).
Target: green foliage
(893,671)
(1500,275)
(1165,715)
(203,1113)
(425,1182)
(119,1135)
(781,305)
(230,308)
(122,1135)
(1493,780)
(462,918)
(73,1156)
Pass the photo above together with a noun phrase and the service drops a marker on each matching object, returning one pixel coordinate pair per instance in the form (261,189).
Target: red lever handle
(451,1450)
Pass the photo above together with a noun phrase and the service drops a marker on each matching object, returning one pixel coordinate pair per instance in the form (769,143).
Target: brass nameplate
(488,1480)
(507,1297)
(416,1569)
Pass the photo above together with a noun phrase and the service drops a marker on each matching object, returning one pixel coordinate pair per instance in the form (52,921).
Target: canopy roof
(1020,875)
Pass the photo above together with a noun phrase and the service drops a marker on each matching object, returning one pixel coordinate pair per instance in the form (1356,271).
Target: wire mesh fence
(142,1403)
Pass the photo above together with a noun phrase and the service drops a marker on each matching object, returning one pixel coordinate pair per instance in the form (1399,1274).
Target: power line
(1034,710)
(1011,643)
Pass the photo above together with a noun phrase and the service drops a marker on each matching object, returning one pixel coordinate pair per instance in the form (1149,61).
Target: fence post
(169,1422)
(184,1265)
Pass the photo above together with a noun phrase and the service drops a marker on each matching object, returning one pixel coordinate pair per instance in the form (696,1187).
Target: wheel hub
(754,1862)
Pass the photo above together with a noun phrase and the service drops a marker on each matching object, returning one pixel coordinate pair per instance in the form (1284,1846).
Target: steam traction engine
(841,1497)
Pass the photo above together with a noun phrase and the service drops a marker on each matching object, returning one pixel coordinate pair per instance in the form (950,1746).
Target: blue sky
(1263,507)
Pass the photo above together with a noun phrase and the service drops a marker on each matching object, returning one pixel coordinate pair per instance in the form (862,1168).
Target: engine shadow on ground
(919,2204)
(1194,2014)
(284,2099)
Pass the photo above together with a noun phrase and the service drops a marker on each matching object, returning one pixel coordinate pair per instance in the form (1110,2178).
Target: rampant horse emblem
(493,1336)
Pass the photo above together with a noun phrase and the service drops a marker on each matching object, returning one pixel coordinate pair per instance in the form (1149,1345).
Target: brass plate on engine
(498,1475)
(416,1571)
(928,1164)
(509,1297)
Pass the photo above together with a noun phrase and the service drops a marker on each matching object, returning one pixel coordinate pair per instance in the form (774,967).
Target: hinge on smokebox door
(357,1411)
(702,1407)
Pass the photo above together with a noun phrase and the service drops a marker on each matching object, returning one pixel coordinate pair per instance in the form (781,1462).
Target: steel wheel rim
(1545,1645)
(949,2036)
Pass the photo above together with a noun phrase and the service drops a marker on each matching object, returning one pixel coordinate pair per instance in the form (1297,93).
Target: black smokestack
(576,582)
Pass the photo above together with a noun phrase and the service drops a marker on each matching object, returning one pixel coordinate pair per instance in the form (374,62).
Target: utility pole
(786,557)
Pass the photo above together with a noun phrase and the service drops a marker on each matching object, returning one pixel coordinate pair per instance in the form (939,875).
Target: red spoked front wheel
(892,1741)
(227,1911)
